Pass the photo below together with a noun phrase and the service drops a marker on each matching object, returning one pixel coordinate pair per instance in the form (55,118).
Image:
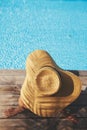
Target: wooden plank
(36,124)
(7,99)
(16,76)
(68,125)
(26,114)
(15,88)
(81,112)
(84,80)
(30,124)
(11,88)
(23,128)
(11,80)
(80,128)
(10,72)
(83,73)
(22,72)
(18,79)
(10,85)
(10,98)
(12,128)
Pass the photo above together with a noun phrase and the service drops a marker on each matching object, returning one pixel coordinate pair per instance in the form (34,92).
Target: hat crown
(47,81)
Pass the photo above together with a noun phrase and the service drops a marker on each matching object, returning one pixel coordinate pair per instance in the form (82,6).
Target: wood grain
(10,84)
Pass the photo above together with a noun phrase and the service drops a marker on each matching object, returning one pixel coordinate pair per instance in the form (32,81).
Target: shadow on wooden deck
(10,85)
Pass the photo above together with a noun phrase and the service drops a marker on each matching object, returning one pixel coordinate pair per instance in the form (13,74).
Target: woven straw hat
(47,88)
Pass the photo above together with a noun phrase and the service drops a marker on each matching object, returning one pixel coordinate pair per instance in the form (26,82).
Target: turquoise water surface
(57,26)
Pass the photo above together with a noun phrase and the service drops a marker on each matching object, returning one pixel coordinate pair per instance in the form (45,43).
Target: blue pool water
(58,26)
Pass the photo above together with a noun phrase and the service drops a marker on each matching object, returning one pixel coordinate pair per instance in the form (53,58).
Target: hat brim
(69,91)
(70,86)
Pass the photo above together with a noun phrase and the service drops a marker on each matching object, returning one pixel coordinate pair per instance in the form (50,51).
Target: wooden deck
(10,85)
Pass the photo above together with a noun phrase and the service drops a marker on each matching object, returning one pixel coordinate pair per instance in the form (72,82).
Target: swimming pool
(59,27)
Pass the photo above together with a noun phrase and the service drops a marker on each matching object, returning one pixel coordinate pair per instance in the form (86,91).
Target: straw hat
(47,88)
